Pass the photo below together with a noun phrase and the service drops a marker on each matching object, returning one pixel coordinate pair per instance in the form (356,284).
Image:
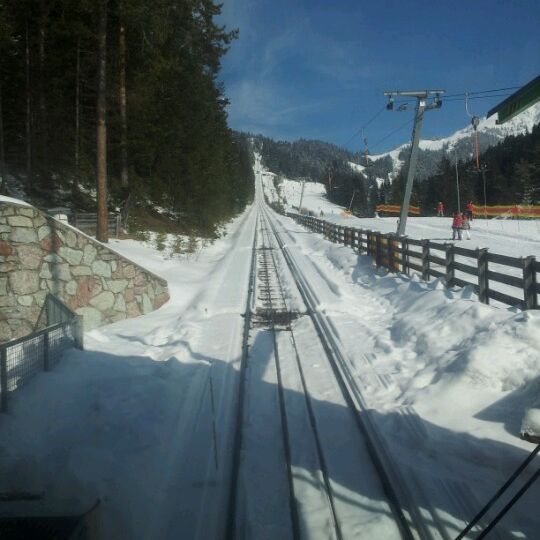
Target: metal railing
(498,277)
(22,358)
(87,221)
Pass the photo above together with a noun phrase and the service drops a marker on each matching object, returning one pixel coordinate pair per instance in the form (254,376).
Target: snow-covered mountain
(460,142)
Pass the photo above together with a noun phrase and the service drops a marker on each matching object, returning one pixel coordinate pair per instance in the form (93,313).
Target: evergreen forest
(124,91)
(510,171)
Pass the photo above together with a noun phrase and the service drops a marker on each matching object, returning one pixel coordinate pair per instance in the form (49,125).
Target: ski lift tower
(421,106)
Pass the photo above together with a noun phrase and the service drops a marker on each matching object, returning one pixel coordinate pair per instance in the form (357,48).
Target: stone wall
(39,255)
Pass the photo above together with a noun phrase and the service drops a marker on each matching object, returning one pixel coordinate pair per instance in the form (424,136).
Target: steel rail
(295,520)
(413,528)
(309,407)
(312,420)
(231,524)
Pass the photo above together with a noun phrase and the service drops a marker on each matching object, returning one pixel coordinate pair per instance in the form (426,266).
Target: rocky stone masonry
(39,255)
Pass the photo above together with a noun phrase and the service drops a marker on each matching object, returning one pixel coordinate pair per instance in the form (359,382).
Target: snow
(522,123)
(11,200)
(514,237)
(530,426)
(143,418)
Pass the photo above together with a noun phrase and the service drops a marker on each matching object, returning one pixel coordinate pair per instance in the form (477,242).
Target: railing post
(378,249)
(425,260)
(78,332)
(389,252)
(118,222)
(46,366)
(3,379)
(529,283)
(483,279)
(405,254)
(450,270)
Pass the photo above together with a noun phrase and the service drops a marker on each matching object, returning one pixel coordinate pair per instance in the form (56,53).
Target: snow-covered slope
(489,134)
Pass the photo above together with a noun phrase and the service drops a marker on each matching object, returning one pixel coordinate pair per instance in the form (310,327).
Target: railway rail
(312,465)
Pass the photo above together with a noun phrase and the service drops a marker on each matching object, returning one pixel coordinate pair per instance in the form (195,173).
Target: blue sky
(317,69)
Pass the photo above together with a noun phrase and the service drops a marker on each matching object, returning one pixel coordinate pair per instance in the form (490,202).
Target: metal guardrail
(88,222)
(433,259)
(22,358)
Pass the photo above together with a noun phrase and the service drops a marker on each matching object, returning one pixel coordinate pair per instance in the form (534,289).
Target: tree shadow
(511,409)
(154,441)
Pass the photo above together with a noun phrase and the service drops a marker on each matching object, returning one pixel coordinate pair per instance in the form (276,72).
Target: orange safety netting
(396,209)
(508,210)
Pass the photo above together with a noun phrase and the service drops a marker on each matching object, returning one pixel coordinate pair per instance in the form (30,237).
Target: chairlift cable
(376,115)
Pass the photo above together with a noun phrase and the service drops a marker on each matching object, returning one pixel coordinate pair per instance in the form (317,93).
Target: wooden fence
(497,277)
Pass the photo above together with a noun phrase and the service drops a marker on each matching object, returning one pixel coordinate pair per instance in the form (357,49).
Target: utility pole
(457,188)
(421,106)
(301,197)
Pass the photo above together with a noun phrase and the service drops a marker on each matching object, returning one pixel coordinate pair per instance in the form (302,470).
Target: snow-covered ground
(131,419)
(519,125)
(517,238)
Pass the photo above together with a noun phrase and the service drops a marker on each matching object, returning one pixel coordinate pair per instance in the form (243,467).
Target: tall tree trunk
(102,232)
(28,111)
(43,128)
(2,148)
(75,186)
(123,99)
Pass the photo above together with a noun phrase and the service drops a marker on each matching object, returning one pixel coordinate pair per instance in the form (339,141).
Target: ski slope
(144,418)
(517,238)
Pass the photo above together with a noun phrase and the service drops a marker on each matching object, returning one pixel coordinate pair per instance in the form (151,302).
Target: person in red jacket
(470,210)
(457,223)
(440,209)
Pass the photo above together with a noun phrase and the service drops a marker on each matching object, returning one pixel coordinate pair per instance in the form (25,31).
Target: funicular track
(269,311)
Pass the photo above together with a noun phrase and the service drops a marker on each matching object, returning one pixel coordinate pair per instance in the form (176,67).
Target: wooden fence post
(405,255)
(378,249)
(529,283)
(3,379)
(483,279)
(425,260)
(389,252)
(450,270)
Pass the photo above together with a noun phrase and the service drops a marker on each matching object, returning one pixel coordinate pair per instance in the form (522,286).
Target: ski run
(289,390)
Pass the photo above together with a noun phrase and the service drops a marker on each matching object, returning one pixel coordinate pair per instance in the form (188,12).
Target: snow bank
(5,199)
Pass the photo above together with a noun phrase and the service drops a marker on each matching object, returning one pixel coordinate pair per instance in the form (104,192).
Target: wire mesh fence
(23,358)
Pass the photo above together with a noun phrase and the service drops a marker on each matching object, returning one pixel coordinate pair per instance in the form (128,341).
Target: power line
(480,97)
(454,97)
(376,115)
(484,91)
(449,97)
(402,126)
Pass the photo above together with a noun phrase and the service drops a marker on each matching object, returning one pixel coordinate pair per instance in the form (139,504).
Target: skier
(470,210)
(440,209)
(456,226)
(466,226)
